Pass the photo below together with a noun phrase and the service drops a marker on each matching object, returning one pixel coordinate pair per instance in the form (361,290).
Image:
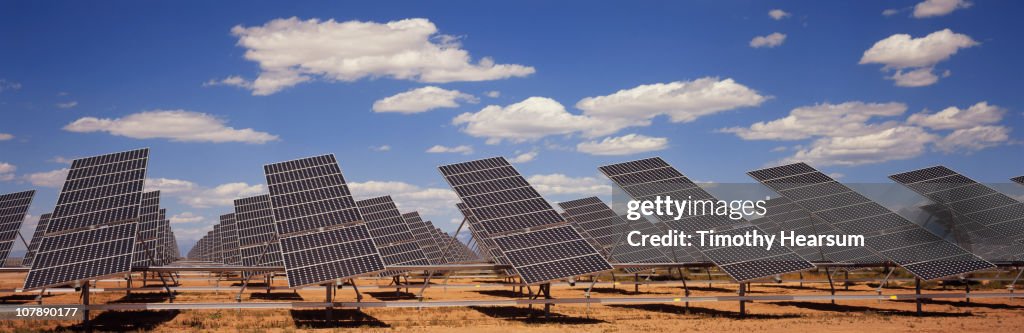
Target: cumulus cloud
(778,14)
(422,100)
(560,184)
(291,51)
(232,81)
(914,59)
(974,138)
(175,125)
(953,117)
(525,157)
(67,105)
(6,85)
(493,94)
(844,119)
(185,217)
(681,101)
(623,145)
(460,149)
(169,186)
(54,178)
(934,8)
(6,136)
(196,196)
(897,143)
(530,119)
(7,171)
(771,40)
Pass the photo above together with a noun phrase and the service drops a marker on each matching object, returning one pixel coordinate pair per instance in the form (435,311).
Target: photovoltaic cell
(13,207)
(885,232)
(783,215)
(510,211)
(257,234)
(593,217)
(37,237)
(146,239)
(91,232)
(965,197)
(391,233)
(323,236)
(424,237)
(648,178)
(229,237)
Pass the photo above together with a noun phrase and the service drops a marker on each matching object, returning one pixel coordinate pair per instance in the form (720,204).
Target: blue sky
(679,80)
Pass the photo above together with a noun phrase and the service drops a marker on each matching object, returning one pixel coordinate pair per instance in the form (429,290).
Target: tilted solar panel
(490,250)
(323,236)
(91,232)
(649,178)
(146,238)
(37,237)
(782,215)
(593,217)
(424,237)
(511,212)
(391,233)
(257,233)
(1018,180)
(230,239)
(890,235)
(13,208)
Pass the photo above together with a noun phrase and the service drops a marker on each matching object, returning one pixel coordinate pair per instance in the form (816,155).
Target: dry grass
(999,315)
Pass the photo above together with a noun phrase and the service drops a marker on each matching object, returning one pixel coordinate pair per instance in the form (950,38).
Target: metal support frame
(917,292)
(85,302)
(743,303)
(831,284)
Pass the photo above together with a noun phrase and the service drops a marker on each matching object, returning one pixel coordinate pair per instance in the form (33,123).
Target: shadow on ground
(857,308)
(391,295)
(276,296)
(501,293)
(142,298)
(123,321)
(699,311)
(531,315)
(20,299)
(339,318)
(963,304)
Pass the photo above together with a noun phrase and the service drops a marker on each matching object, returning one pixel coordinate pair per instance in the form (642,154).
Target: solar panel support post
(636,283)
(831,285)
(546,288)
(917,291)
(743,304)
(85,304)
(330,300)
(1014,282)
(846,279)
(967,290)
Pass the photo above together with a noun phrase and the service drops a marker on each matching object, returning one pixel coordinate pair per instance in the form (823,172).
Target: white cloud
(771,40)
(461,149)
(67,105)
(6,136)
(7,171)
(681,101)
(409,197)
(232,81)
(290,51)
(890,12)
(422,100)
(525,157)
(897,143)
(9,85)
(623,145)
(380,148)
(953,117)
(974,138)
(222,195)
(531,119)
(845,119)
(920,55)
(186,217)
(62,160)
(493,94)
(169,186)
(933,8)
(53,178)
(176,125)
(560,184)
(778,14)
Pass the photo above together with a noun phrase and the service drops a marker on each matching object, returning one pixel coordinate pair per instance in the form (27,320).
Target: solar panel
(648,178)
(37,237)
(146,239)
(91,232)
(424,237)
(783,215)
(391,233)
(13,208)
(1018,180)
(489,249)
(593,217)
(322,234)
(457,250)
(885,232)
(229,237)
(511,211)
(257,233)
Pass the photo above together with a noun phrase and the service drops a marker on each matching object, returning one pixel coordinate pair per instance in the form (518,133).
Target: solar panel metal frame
(507,207)
(311,202)
(102,196)
(37,237)
(800,180)
(651,177)
(13,209)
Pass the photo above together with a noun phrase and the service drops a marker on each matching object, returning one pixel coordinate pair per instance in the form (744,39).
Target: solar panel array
(594,219)
(649,178)
(229,239)
(988,223)
(391,233)
(13,208)
(37,237)
(146,239)
(783,215)
(257,233)
(1018,180)
(425,237)
(457,251)
(924,254)
(488,248)
(91,232)
(322,234)
(510,211)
